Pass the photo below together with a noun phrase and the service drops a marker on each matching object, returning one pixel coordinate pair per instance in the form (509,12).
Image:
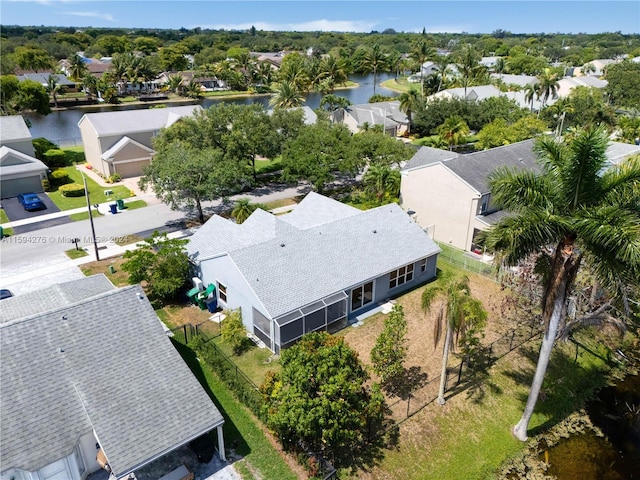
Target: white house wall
(91,145)
(444,204)
(239,293)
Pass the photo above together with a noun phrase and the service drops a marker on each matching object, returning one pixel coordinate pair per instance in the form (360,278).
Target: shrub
(46,185)
(41,146)
(55,158)
(71,190)
(234,333)
(60,177)
(116,177)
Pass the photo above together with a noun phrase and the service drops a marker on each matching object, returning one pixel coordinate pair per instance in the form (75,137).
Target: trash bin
(1,232)
(120,204)
(112,269)
(113,207)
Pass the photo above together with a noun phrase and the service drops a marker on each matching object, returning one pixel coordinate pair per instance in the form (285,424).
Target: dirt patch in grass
(185,314)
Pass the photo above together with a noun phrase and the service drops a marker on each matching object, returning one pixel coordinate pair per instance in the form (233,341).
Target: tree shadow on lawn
(567,386)
(474,379)
(408,381)
(233,437)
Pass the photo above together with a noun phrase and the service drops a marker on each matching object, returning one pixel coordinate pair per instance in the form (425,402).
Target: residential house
(309,116)
(93,383)
(315,268)
(95,67)
(521,81)
(43,79)
(599,66)
(121,141)
(386,114)
(567,84)
(449,193)
(20,171)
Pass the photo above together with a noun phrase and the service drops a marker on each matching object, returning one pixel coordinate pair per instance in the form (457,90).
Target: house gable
(15,164)
(126,149)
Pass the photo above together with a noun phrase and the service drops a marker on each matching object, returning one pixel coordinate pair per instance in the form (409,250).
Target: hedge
(60,177)
(55,158)
(72,190)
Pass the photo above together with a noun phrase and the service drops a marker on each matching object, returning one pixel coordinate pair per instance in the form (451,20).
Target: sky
(453,16)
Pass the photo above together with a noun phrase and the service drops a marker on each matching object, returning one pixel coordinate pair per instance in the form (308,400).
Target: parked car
(31,202)
(4,293)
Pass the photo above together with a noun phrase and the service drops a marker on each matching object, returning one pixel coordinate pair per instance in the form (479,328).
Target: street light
(93,231)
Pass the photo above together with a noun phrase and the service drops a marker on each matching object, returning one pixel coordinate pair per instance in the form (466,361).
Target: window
(423,264)
(361,296)
(222,292)
(400,276)
(77,453)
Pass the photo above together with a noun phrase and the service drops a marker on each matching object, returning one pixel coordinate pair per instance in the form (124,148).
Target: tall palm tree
(442,63)
(410,102)
(333,68)
(335,104)
(468,65)
(287,96)
(175,83)
(421,51)
(453,130)
(547,85)
(531,92)
(574,210)
(458,311)
(373,60)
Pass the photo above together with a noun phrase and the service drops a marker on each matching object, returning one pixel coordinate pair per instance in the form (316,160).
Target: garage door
(16,186)
(131,169)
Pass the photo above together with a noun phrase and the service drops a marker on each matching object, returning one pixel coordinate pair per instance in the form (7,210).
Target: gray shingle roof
(13,128)
(298,266)
(13,162)
(315,210)
(53,297)
(379,113)
(617,152)
(128,122)
(474,168)
(102,364)
(428,155)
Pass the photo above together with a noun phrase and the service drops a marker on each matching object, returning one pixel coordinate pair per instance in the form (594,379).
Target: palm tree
(373,59)
(243,208)
(335,104)
(287,96)
(458,311)
(193,89)
(332,68)
(453,130)
(53,88)
(77,67)
(531,92)
(468,59)
(442,63)
(574,210)
(547,85)
(420,53)
(175,83)
(410,102)
(381,180)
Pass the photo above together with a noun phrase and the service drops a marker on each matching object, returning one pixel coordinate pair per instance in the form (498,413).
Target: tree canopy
(320,403)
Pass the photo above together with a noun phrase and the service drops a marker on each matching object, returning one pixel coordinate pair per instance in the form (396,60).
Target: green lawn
(5,219)
(75,253)
(243,436)
(254,363)
(96,192)
(76,217)
(400,85)
(267,166)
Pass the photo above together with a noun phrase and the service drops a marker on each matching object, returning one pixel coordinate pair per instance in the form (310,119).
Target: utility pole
(93,231)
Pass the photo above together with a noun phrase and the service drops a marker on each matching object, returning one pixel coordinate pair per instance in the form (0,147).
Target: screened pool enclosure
(328,314)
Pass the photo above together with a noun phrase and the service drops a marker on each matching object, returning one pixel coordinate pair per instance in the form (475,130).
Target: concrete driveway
(15,211)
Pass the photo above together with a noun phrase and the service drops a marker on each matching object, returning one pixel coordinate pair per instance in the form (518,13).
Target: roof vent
(140,296)
(64,317)
(61,350)
(282,244)
(375,231)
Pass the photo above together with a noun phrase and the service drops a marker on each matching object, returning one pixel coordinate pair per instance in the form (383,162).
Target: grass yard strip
(75,253)
(242,435)
(254,363)
(134,204)
(3,216)
(268,166)
(119,278)
(78,217)
(96,192)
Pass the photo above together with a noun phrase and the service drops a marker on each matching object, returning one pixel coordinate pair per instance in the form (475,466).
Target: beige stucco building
(121,142)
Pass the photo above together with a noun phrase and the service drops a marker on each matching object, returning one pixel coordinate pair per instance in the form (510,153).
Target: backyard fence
(468,261)
(460,377)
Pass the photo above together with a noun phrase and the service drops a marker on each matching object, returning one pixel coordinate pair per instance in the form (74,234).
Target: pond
(61,127)
(616,411)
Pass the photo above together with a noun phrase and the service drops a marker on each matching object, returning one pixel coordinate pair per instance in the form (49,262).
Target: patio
(214,470)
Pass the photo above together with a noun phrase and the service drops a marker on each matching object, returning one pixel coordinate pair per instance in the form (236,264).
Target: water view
(62,126)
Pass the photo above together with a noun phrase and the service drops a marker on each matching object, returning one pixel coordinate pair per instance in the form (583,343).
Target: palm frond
(515,190)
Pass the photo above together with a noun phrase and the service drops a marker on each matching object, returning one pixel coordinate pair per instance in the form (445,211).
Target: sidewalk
(103,208)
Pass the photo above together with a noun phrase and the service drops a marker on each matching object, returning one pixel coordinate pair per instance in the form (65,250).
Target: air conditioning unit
(197,283)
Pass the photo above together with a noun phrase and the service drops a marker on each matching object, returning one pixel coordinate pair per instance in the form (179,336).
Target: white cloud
(311,26)
(103,16)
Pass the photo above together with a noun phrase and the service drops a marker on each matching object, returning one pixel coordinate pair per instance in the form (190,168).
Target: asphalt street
(36,259)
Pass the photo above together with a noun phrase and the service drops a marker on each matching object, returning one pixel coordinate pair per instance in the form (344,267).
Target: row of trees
(212,154)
